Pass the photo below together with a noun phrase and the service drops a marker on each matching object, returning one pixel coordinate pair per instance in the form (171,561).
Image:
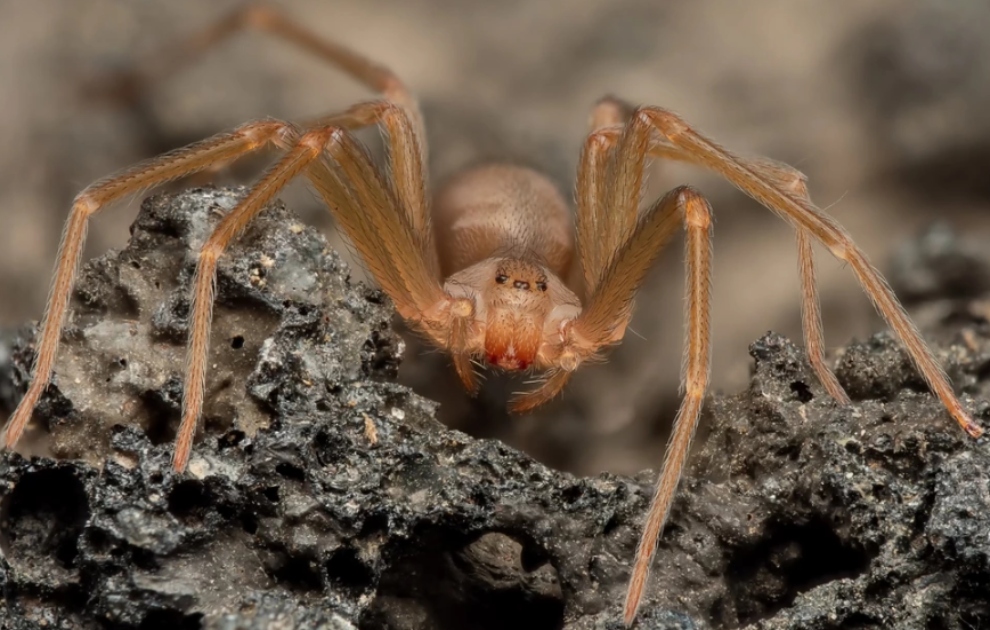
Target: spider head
(518,303)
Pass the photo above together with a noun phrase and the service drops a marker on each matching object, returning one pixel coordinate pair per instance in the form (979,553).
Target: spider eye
(542,286)
(501,278)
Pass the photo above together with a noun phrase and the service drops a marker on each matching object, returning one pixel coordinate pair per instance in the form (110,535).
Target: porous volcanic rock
(323,495)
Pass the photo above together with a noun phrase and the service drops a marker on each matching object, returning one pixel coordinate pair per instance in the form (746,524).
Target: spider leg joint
(462,308)
(697,212)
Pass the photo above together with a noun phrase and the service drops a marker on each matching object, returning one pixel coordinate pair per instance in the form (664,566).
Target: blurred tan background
(883,104)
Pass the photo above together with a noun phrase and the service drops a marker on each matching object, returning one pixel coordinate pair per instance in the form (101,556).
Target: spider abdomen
(502,210)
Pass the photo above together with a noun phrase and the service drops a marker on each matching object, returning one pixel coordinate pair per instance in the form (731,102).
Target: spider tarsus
(972,429)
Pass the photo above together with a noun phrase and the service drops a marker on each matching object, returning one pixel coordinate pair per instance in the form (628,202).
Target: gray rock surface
(323,495)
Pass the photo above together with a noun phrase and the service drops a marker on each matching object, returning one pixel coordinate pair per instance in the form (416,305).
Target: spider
(487,270)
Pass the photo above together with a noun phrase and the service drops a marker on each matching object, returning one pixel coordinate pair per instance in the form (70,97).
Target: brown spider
(486,269)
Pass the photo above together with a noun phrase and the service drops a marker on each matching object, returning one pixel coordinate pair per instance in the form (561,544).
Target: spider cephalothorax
(518,306)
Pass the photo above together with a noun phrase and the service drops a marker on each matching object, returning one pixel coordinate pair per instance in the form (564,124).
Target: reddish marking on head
(511,341)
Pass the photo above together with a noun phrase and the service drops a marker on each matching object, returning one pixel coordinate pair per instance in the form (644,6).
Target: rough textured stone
(322,494)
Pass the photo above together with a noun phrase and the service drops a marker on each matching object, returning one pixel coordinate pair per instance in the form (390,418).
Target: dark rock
(323,495)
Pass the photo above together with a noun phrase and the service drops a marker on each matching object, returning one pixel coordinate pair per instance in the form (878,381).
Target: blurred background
(883,104)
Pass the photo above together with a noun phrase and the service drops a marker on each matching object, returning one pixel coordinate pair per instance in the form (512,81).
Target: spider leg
(387,220)
(599,227)
(617,245)
(191,159)
(752,177)
(543,394)
(794,183)
(463,364)
(608,117)
(406,166)
(811,318)
(609,306)
(399,113)
(262,17)
(305,151)
(368,212)
(681,204)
